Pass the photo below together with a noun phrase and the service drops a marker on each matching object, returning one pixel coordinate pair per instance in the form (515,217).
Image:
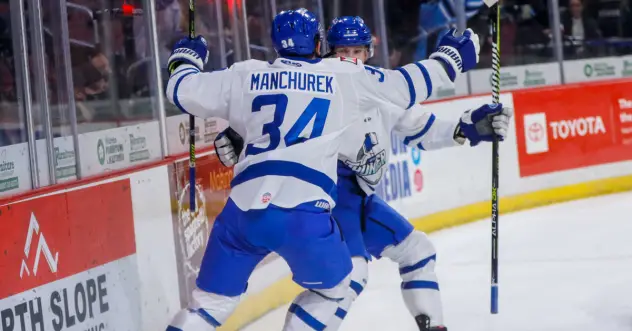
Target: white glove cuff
(187,55)
(451,56)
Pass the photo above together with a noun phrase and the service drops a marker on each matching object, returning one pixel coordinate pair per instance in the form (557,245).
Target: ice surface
(565,267)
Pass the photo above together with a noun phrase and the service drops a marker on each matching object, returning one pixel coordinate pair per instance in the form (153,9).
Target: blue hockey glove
(228,146)
(189,51)
(483,123)
(459,54)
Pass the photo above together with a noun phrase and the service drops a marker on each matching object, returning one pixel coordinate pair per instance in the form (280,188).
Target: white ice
(564,267)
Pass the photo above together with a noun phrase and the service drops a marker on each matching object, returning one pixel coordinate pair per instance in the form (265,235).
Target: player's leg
(389,234)
(348,214)
(315,251)
(227,264)
(358,278)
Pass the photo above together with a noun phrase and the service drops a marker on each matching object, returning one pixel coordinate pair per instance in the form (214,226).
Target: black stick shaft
(192,121)
(495,26)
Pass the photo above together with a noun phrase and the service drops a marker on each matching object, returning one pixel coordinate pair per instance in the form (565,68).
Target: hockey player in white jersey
(369,225)
(291,117)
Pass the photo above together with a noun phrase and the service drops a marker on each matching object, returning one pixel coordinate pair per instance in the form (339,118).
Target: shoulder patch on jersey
(349,59)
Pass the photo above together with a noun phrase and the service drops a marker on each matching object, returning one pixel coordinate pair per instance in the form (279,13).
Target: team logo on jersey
(349,59)
(265,198)
(371,161)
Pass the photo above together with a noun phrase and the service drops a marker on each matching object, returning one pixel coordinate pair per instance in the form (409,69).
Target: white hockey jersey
(367,143)
(292,114)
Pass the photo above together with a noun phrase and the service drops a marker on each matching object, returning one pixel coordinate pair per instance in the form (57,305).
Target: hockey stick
(192,122)
(494,18)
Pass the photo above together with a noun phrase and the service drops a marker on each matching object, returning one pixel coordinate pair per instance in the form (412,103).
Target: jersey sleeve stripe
(411,86)
(185,72)
(424,72)
(288,169)
(431,120)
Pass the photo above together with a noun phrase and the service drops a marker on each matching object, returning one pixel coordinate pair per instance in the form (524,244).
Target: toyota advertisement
(560,129)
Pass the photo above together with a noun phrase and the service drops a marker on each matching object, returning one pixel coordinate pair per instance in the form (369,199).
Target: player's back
(291,114)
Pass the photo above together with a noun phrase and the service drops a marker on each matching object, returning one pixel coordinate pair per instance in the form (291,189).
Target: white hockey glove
(228,146)
(458,54)
(189,51)
(483,123)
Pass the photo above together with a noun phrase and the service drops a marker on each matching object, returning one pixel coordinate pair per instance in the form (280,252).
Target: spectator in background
(98,60)
(578,25)
(508,30)
(169,23)
(169,18)
(7,82)
(611,16)
(533,37)
(89,83)
(12,130)
(258,34)
(415,26)
(91,70)
(436,18)
(402,21)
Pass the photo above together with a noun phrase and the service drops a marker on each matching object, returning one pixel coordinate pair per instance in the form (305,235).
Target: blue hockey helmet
(349,31)
(296,32)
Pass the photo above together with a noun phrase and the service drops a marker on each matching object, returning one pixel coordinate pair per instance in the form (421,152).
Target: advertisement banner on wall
(15,173)
(64,160)
(460,88)
(68,261)
(623,108)
(569,128)
(192,230)
(178,132)
(517,77)
(403,178)
(597,69)
(15,180)
(119,148)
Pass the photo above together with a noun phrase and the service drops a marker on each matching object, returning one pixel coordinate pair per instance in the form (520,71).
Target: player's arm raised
(457,54)
(202,94)
(414,82)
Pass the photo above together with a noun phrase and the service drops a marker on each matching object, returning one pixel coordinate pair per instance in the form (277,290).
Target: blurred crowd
(111,60)
(589,28)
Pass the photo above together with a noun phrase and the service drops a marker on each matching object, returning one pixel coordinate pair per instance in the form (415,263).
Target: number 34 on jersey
(315,111)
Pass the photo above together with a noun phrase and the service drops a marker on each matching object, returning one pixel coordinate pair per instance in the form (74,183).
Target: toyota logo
(535,132)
